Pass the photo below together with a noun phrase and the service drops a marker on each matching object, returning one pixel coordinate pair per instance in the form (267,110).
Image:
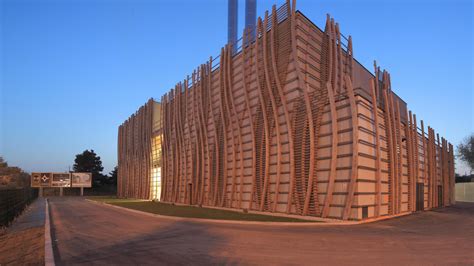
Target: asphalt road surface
(92,234)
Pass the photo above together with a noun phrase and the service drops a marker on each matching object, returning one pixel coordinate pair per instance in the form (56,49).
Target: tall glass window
(155,186)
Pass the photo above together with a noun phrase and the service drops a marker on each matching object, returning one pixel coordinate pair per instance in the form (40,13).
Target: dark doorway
(420,196)
(190,189)
(440,196)
(365,212)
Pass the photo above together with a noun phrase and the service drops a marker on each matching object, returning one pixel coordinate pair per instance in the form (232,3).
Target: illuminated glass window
(156,150)
(155,183)
(155,186)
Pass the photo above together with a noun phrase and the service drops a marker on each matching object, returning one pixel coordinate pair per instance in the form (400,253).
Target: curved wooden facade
(293,124)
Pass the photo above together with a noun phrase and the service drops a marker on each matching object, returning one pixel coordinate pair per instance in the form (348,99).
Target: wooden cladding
(135,154)
(246,135)
(280,127)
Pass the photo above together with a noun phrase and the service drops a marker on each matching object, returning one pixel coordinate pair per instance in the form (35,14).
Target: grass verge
(191,211)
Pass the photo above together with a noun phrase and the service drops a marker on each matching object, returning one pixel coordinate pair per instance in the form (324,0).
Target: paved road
(88,233)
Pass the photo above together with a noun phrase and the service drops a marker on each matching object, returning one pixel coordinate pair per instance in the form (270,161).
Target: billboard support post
(82,191)
(41,192)
(61,191)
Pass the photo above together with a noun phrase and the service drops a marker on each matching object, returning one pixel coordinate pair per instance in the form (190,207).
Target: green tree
(466,151)
(89,161)
(113,176)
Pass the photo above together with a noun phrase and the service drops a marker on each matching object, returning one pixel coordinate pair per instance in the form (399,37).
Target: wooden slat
(334,126)
(378,179)
(355,149)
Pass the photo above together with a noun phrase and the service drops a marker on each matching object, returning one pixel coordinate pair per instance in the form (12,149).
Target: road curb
(48,243)
(274,214)
(199,220)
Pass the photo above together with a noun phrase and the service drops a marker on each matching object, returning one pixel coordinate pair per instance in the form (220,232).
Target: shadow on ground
(87,237)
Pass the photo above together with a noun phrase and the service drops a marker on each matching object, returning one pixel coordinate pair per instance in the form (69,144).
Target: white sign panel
(81,179)
(61,180)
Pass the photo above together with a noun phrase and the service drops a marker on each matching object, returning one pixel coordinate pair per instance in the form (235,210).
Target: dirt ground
(23,242)
(88,233)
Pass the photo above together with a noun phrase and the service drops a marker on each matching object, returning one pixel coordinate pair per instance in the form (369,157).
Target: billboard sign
(81,179)
(35,179)
(61,180)
(45,179)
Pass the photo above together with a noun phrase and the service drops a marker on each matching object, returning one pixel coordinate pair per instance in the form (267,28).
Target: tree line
(12,176)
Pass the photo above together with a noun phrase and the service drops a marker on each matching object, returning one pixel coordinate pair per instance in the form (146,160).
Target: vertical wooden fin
(332,106)
(355,149)
(378,173)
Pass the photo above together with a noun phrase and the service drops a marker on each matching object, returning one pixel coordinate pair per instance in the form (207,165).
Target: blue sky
(73,70)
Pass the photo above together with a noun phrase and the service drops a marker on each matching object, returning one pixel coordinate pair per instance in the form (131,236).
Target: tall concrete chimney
(232,22)
(251,17)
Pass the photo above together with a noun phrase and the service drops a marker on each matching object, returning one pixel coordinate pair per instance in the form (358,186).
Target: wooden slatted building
(289,123)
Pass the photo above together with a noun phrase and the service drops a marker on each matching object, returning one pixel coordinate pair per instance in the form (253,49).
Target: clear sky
(73,70)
